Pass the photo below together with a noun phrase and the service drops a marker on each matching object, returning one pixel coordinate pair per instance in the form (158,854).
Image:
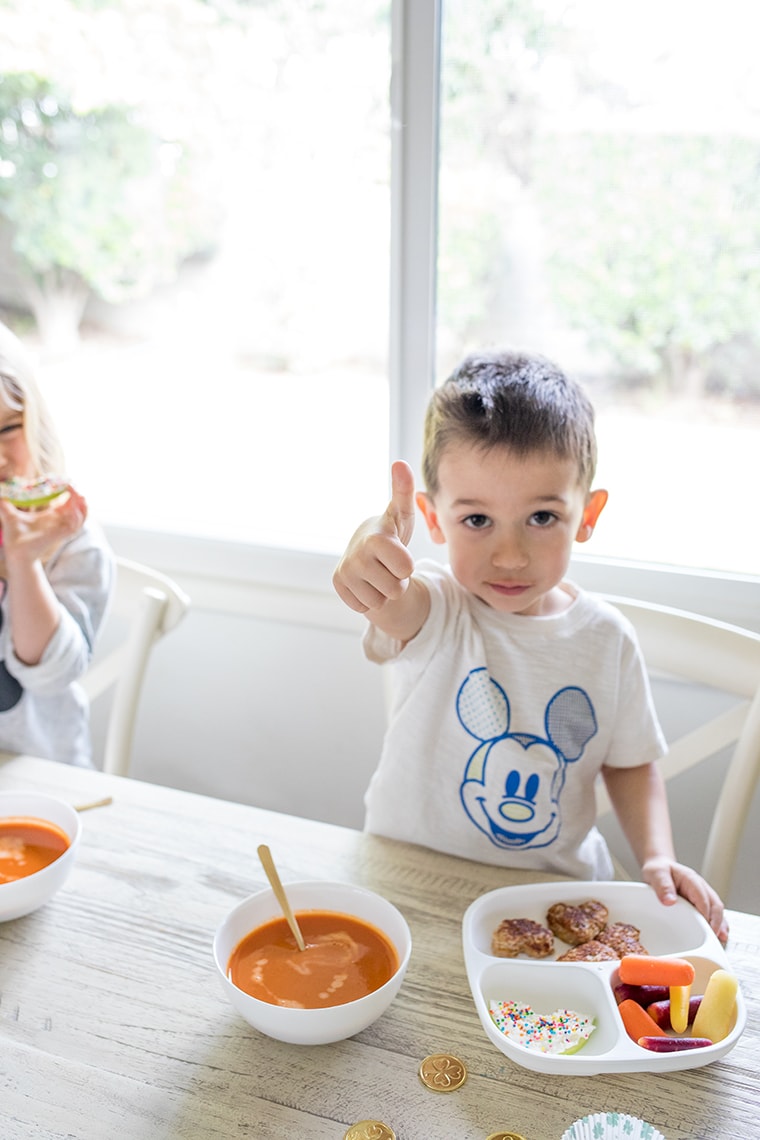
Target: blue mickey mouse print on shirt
(513,780)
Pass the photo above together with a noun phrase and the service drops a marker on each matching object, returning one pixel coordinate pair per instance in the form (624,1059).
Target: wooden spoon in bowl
(267,862)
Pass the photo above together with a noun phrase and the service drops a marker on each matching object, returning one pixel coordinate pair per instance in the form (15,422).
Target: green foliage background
(656,247)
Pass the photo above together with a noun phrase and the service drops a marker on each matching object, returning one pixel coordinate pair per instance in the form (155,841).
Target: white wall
(262,695)
(264,712)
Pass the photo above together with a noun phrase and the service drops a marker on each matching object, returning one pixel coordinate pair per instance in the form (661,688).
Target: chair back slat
(145,606)
(705,652)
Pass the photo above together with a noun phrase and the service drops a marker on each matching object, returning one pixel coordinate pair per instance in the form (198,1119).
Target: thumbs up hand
(400,512)
(376,567)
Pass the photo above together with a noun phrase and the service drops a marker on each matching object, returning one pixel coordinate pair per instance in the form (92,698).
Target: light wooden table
(113,1023)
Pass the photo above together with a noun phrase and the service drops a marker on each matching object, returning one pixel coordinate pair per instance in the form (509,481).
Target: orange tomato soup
(27,845)
(345,959)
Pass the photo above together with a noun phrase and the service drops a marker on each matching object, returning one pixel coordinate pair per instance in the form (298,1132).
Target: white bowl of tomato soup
(39,838)
(357,950)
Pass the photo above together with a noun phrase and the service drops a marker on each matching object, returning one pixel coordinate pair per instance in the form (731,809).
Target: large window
(205,186)
(600,203)
(197,243)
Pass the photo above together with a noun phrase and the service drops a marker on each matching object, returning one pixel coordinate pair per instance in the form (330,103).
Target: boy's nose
(509,553)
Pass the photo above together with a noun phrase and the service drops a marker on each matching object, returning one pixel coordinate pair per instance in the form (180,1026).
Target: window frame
(295,585)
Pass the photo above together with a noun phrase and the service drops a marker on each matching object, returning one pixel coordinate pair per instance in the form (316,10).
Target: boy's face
(510,522)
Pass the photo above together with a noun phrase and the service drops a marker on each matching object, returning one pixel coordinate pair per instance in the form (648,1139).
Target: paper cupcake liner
(611,1126)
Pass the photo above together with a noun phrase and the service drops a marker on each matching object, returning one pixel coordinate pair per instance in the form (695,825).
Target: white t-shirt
(500,725)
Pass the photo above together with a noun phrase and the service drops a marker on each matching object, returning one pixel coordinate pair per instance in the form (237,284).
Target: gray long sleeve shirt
(43,711)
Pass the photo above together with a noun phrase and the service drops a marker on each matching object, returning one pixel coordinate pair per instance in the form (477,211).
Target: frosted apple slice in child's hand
(27,494)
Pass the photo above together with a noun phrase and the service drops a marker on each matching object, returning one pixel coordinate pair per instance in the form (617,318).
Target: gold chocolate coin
(442,1072)
(505,1136)
(370,1130)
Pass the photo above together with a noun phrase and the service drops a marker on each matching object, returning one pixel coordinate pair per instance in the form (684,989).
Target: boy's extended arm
(640,801)
(375,575)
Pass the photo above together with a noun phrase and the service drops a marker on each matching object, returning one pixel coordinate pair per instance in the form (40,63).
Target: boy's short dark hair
(517,400)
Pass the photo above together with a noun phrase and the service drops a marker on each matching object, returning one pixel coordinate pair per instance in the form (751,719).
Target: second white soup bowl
(313,1026)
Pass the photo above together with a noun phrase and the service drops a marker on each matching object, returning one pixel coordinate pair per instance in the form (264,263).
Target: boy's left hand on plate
(669,879)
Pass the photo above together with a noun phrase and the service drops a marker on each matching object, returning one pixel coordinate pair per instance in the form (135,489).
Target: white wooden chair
(145,606)
(684,645)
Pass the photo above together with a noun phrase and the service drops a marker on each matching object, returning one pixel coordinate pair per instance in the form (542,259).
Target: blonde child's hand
(670,879)
(30,536)
(377,566)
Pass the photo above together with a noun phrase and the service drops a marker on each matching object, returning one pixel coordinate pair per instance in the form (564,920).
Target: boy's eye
(477,522)
(542,518)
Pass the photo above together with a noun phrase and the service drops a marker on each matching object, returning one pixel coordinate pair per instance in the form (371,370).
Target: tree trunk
(57,300)
(687,373)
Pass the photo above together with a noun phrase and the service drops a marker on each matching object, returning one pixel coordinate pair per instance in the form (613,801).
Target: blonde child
(513,688)
(56,572)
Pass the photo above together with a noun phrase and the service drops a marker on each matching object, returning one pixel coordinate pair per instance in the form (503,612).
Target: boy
(513,688)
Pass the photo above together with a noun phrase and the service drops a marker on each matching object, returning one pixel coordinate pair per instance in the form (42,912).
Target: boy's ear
(427,507)
(591,513)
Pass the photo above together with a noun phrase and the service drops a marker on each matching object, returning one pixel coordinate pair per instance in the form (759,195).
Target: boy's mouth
(509,589)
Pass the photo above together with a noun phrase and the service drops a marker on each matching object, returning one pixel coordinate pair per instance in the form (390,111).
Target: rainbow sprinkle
(563,1031)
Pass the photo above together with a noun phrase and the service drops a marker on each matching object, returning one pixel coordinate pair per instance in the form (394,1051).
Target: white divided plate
(587,987)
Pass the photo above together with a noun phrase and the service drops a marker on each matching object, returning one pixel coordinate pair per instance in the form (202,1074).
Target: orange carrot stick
(643,969)
(637,1021)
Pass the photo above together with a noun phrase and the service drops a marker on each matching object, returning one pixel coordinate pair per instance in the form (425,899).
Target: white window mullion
(415,45)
